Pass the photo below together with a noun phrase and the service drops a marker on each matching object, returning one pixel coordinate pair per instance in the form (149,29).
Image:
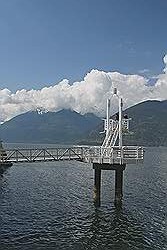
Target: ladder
(110,140)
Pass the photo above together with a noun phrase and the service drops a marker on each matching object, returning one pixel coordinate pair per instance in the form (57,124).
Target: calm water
(49,206)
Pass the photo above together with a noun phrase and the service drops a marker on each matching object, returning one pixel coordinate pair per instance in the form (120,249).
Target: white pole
(108,114)
(120,122)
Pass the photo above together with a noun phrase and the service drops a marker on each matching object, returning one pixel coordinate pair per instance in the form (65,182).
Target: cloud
(88,95)
(165,61)
(144,71)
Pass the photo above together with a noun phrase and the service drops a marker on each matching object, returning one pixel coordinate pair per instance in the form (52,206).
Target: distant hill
(64,126)
(148,124)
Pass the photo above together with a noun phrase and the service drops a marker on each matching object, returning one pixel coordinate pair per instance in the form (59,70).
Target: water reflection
(113,230)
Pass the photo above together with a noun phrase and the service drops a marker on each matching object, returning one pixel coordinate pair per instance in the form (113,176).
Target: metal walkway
(94,154)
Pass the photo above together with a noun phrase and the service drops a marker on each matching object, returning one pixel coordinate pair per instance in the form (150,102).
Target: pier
(111,155)
(93,154)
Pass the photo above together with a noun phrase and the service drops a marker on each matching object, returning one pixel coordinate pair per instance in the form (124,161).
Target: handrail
(84,153)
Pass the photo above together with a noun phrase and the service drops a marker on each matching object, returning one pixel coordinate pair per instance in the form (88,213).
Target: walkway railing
(45,154)
(95,154)
(111,155)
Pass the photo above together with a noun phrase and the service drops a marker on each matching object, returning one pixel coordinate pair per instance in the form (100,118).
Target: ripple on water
(49,206)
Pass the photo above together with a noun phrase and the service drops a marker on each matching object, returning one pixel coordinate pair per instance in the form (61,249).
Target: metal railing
(45,154)
(94,154)
(125,154)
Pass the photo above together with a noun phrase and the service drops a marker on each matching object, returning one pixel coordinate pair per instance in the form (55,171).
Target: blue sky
(45,41)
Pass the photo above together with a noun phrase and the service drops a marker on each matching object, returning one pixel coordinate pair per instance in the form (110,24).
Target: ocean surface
(50,206)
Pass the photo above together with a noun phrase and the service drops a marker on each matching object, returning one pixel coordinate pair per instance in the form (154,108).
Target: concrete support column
(118,187)
(97,187)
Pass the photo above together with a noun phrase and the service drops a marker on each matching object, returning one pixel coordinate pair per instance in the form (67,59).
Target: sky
(70,53)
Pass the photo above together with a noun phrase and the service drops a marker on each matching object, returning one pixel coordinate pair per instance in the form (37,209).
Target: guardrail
(125,154)
(95,154)
(44,154)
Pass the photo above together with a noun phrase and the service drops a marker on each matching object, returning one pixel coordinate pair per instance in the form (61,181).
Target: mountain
(64,126)
(148,125)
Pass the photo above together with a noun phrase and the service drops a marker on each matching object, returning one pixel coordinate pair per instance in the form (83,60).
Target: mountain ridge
(148,124)
(64,126)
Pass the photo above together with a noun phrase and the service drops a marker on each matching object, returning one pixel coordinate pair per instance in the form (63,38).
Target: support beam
(120,122)
(97,187)
(108,115)
(118,187)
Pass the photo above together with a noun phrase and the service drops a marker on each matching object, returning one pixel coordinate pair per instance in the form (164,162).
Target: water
(49,206)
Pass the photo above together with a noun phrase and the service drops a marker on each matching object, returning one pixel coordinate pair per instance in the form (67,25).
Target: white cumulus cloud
(88,95)
(165,61)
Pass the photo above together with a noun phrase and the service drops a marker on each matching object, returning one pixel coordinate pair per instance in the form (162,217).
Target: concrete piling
(97,187)
(118,187)
(118,168)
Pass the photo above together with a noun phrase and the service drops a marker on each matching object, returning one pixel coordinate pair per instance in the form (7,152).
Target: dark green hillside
(148,124)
